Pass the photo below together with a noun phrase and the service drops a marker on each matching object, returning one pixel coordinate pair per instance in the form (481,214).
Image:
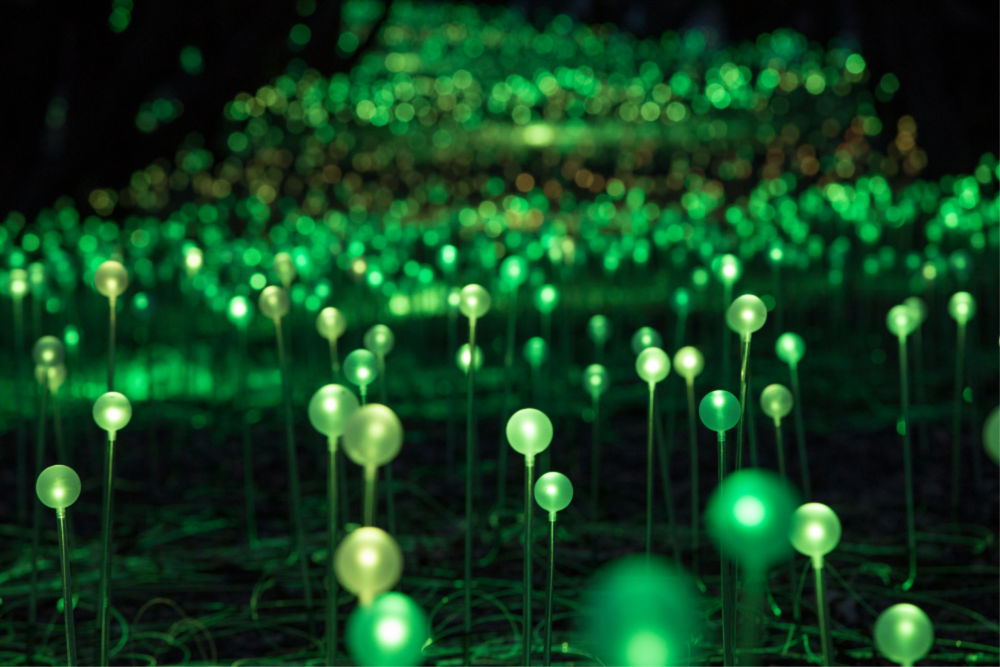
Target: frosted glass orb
(746,314)
(961,307)
(464,357)
(645,337)
(727,269)
(599,329)
(919,306)
(373,435)
(55,376)
(901,320)
(17,283)
(790,348)
(514,271)
(536,351)
(111,279)
(112,411)
(776,401)
(390,631)
(379,339)
(368,562)
(652,365)
(330,323)
(361,367)
(719,410)
(547,298)
(454,298)
(273,302)
(553,491)
(903,633)
(284,268)
(595,380)
(239,311)
(749,516)
(194,258)
(689,362)
(58,487)
(815,530)
(529,432)
(991,435)
(474,301)
(48,351)
(330,407)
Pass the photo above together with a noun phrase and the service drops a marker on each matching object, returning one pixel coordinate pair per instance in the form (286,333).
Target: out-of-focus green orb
(368,562)
(682,300)
(17,283)
(513,272)
(361,367)
(991,435)
(373,435)
(448,258)
(239,311)
(652,365)
(749,515)
(58,487)
(815,530)
(379,339)
(961,307)
(776,401)
(719,410)
(284,268)
(529,432)
(919,306)
(53,376)
(546,298)
(194,259)
(599,329)
(48,351)
(901,320)
(474,301)
(689,362)
(645,337)
(903,633)
(746,314)
(464,357)
(111,279)
(273,302)
(595,380)
(640,612)
(790,348)
(454,297)
(330,407)
(392,630)
(330,323)
(553,491)
(536,351)
(112,412)
(727,269)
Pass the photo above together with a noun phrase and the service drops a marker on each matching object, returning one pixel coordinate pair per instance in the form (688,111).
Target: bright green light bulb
(746,314)
(991,435)
(48,351)
(360,367)
(273,302)
(464,357)
(112,412)
(239,310)
(58,487)
(815,530)
(689,362)
(379,339)
(901,320)
(599,329)
(373,435)
(17,283)
(652,365)
(727,269)
(790,348)
(749,516)
(368,562)
(330,323)
(529,432)
(595,380)
(330,407)
(961,307)
(546,298)
(284,268)
(645,337)
(536,351)
(776,401)
(513,271)
(390,631)
(448,257)
(903,633)
(553,491)
(193,260)
(719,410)
(474,301)
(111,279)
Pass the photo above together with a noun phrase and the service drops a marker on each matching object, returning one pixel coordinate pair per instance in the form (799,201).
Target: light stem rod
(529,468)
(470,435)
(956,420)
(744,368)
(111,343)
(331,546)
(649,473)
(104,601)
(904,426)
(548,596)
(67,582)
(821,610)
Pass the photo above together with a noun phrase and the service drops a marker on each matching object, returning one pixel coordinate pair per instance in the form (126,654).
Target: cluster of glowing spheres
(361,367)
(111,279)
(991,435)
(746,315)
(596,380)
(284,268)
(901,320)
(536,351)
(689,362)
(815,530)
(961,307)
(464,357)
(645,337)
(529,432)
(546,298)
(719,410)
(553,491)
(373,435)
(379,339)
(903,633)
(58,487)
(329,409)
(790,348)
(392,630)
(368,562)
(239,310)
(599,329)
(749,515)
(727,269)
(330,323)
(474,301)
(652,365)
(48,351)
(776,401)
(112,412)
(273,302)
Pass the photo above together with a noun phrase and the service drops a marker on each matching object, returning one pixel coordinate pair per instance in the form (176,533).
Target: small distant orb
(330,407)
(746,314)
(273,302)
(682,300)
(48,351)
(719,410)
(284,268)
(652,365)
(919,306)
(790,348)
(727,269)
(367,562)
(776,401)
(547,298)
(390,631)
(815,530)
(689,362)
(454,297)
(903,633)
(749,516)
(379,339)
(553,491)
(111,279)
(536,351)
(58,487)
(361,367)
(513,271)
(529,432)
(194,259)
(961,307)
(464,357)
(474,301)
(112,411)
(901,320)
(595,380)
(239,311)
(645,337)
(991,435)
(373,435)
(599,329)
(448,257)
(330,323)
(17,283)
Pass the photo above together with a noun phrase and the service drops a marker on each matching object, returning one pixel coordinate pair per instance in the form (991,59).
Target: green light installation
(331,324)
(790,348)
(392,630)
(652,365)
(553,493)
(373,436)
(111,280)
(746,315)
(58,487)
(776,402)
(901,321)
(962,308)
(727,269)
(361,369)
(240,312)
(904,633)
(368,562)
(815,532)
(595,382)
(284,268)
(465,357)
(599,330)
(645,337)
(689,363)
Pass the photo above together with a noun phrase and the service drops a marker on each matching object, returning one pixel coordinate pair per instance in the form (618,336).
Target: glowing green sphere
(448,257)
(546,298)
(112,411)
(330,407)
(273,302)
(330,323)
(284,268)
(991,435)
(595,380)
(536,351)
(368,562)
(58,487)
(776,401)
(719,410)
(239,311)
(529,432)
(919,306)
(194,258)
(746,314)
(474,301)
(727,269)
(361,367)
(790,348)
(645,337)
(17,283)
(379,339)
(599,329)
(689,362)
(815,530)
(903,633)
(652,365)
(901,320)
(749,515)
(454,298)
(553,491)
(464,357)
(48,351)
(111,279)
(392,630)
(513,272)
(961,307)
(373,435)
(53,376)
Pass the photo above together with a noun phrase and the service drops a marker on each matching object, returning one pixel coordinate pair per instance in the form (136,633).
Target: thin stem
(693,450)
(800,431)
(249,495)
(726,576)
(363,389)
(508,373)
(595,457)
(911,535)
(390,494)
(57,430)
(753,597)
(528,480)
(548,596)
(371,472)
(36,517)
(104,601)
(67,582)
(727,298)
(956,420)
(111,344)
(334,358)
(331,546)
(470,451)
(821,611)
(649,473)
(781,448)
(744,368)
(22,441)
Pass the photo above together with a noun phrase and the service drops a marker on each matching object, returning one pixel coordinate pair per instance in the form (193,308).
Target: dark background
(945,55)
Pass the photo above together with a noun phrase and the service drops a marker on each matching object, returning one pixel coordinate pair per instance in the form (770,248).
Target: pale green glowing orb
(330,323)
(546,298)
(536,351)
(595,380)
(689,362)
(379,339)
(111,279)
(991,435)
(373,435)
(53,376)
(901,320)
(474,301)
(464,357)
(599,329)
(48,351)
(194,258)
(112,411)
(330,407)
(645,337)
(553,491)
(284,268)
(727,269)
(17,283)
(961,307)
(903,633)
(513,271)
(919,306)
(454,298)
(239,311)
(815,530)
(749,515)
(361,367)
(273,302)
(719,410)
(746,314)
(790,348)
(390,631)
(367,562)
(529,432)
(58,487)
(652,365)
(776,401)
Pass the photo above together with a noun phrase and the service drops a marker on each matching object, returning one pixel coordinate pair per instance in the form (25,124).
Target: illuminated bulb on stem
(652,365)
(390,631)
(790,348)
(239,311)
(111,280)
(553,493)
(904,634)
(815,532)
(274,303)
(361,369)
(599,330)
(689,363)
(961,307)
(58,487)
(595,383)
(901,321)
(48,351)
(193,260)
(746,315)
(373,436)
(776,402)
(284,268)
(464,357)
(368,562)
(331,324)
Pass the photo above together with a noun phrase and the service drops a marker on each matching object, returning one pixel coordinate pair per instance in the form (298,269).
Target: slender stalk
(57,430)
(67,583)
(800,430)
(36,517)
(781,448)
(331,546)
(753,597)
(111,344)
(371,472)
(390,493)
(548,596)
(595,458)
(334,358)
(649,473)
(249,493)
(664,445)
(726,577)
(956,420)
(508,378)
(104,595)
(744,367)
(451,436)
(821,611)
(529,468)
(911,535)
(363,390)
(470,451)
(693,450)
(22,440)
(727,298)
